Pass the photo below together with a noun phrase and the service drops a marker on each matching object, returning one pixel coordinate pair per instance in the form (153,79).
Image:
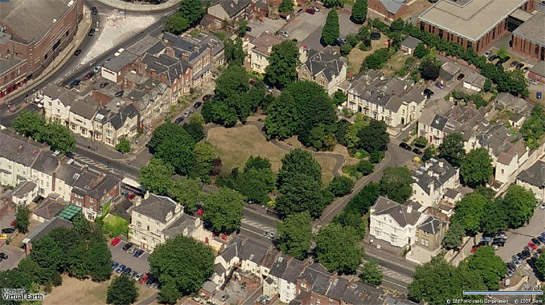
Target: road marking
(257,225)
(242,228)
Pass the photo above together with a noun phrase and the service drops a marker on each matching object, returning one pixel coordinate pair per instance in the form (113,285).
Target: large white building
(432,180)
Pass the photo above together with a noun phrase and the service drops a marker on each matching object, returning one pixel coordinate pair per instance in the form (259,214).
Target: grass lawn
(395,63)
(356,56)
(74,291)
(116,225)
(236,145)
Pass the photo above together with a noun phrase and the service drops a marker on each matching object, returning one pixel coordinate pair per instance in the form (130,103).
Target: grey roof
(30,19)
(6,64)
(539,69)
(439,122)
(218,268)
(431,225)
(156,207)
(399,212)
(411,42)
(392,6)
(148,44)
(324,62)
(46,162)
(451,193)
(393,301)
(511,102)
(293,271)
(252,251)
(48,208)
(121,61)
(475,79)
(533,30)
(355,293)
(65,96)
(337,288)
(534,175)
(232,249)
(232,7)
(24,188)
(317,276)
(85,108)
(279,266)
(46,227)
(104,186)
(264,42)
(433,171)
(17,148)
(270,258)
(448,70)
(167,65)
(180,225)
(127,112)
(78,176)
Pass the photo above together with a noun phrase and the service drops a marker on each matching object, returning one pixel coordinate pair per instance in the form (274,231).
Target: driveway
(307,28)
(123,257)
(267,25)
(15,255)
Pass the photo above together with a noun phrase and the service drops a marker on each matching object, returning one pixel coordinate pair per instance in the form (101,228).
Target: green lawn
(115,225)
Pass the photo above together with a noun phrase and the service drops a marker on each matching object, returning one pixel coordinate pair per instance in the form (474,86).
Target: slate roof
(263,43)
(156,207)
(104,186)
(126,112)
(317,276)
(232,7)
(167,65)
(218,268)
(252,251)
(324,62)
(355,293)
(31,19)
(392,6)
(411,42)
(232,249)
(270,258)
(121,61)
(77,176)
(394,301)
(534,175)
(148,44)
(46,162)
(24,188)
(539,69)
(279,266)
(293,271)
(48,208)
(65,96)
(178,227)
(17,148)
(399,212)
(337,288)
(451,193)
(434,171)
(431,225)
(85,108)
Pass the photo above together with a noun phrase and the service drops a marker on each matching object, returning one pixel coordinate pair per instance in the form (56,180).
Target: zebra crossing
(95,163)
(392,274)
(258,225)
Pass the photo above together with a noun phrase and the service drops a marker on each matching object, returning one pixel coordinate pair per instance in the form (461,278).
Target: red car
(144,278)
(310,11)
(12,223)
(116,241)
(474,248)
(531,245)
(89,75)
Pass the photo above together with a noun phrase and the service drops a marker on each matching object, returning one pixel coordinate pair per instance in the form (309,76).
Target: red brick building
(32,33)
(474,23)
(390,9)
(529,38)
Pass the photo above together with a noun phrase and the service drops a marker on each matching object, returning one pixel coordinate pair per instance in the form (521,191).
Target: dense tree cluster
(182,265)
(338,248)
(286,6)
(22,218)
(396,184)
(295,235)
(357,207)
(377,59)
(122,291)
(452,149)
(371,273)
(234,55)
(123,146)
(533,128)
(331,31)
(283,63)
(476,168)
(57,136)
(223,211)
(188,15)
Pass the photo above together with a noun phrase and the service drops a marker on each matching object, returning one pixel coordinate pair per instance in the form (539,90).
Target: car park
(532,245)
(516,258)
(144,278)
(461,76)
(115,265)
(77,52)
(127,271)
(509,273)
(506,59)
(499,242)
(197,105)
(120,269)
(127,246)
(405,146)
(499,63)
(511,266)
(131,250)
(116,241)
(501,235)
(527,248)
(8,230)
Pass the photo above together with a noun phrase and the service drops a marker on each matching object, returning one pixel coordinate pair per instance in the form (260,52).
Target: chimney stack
(409,208)
(441,163)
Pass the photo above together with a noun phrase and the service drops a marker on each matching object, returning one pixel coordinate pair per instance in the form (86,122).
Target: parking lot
(15,255)
(124,257)
(267,25)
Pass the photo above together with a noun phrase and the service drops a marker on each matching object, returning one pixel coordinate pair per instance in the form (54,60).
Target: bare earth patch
(74,291)
(235,145)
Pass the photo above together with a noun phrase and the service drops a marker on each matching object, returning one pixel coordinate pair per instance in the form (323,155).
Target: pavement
(138,7)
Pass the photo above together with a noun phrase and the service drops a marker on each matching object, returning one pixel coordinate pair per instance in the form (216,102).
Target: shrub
(365,167)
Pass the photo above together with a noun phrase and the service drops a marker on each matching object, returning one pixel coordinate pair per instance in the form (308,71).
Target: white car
(119,52)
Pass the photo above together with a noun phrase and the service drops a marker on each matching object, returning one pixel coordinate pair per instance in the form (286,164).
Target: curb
(118,4)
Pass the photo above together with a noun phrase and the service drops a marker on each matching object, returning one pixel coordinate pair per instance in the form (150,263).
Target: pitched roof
(232,250)
(279,266)
(399,212)
(433,171)
(85,108)
(23,189)
(431,225)
(270,258)
(17,148)
(46,162)
(46,227)
(318,277)
(263,43)
(156,207)
(534,175)
(324,62)
(180,225)
(126,112)
(232,7)
(121,61)
(49,208)
(252,251)
(392,6)
(65,96)
(355,293)
(411,42)
(539,69)
(475,79)
(148,44)
(293,271)
(337,288)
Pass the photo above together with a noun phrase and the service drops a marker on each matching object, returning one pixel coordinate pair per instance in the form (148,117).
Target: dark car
(513,64)
(428,93)
(92,32)
(8,230)
(519,65)
(405,146)
(3,256)
(114,265)
(120,269)
(506,59)
(417,151)
(248,29)
(119,93)
(74,83)
(340,41)
(138,253)
(94,10)
(498,241)
(461,76)
(310,11)
(77,52)
(536,241)
(206,97)
(127,246)
(104,84)
(127,271)
(511,266)
(89,75)
(493,57)
(541,239)
(499,63)
(439,85)
(197,105)
(375,36)
(179,120)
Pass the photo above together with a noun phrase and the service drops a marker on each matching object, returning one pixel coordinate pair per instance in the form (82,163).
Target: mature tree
(300,193)
(82,226)
(234,55)
(496,218)
(377,59)
(286,6)
(242,26)
(256,180)
(195,129)
(429,69)
(333,3)
(183,263)
(223,210)
(453,236)
(283,117)
(476,168)
(341,186)
(502,53)
(359,11)
(331,31)
(47,254)
(299,162)
(396,184)
(187,192)
(371,273)
(156,176)
(205,154)
(520,204)
(429,153)
(179,155)
(76,260)
(59,138)
(421,51)
(22,218)
(365,167)
(338,248)
(487,85)
(364,199)
(469,212)
(540,267)
(452,149)
(488,265)
(192,11)
(438,282)
(295,235)
(122,291)
(30,124)
(99,258)
(176,23)
(169,131)
(352,218)
(373,137)
(283,62)
(123,146)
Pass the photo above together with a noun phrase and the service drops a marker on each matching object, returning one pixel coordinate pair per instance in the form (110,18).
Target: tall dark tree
(476,168)
(299,162)
(176,23)
(453,236)
(283,62)
(295,235)
(371,273)
(333,3)
(359,11)
(452,149)
(373,137)
(283,117)
(420,51)
(429,69)
(396,184)
(341,186)
(469,212)
(488,265)
(223,210)
(300,193)
(338,248)
(122,291)
(192,11)
(234,55)
(30,124)
(156,176)
(331,31)
(22,218)
(520,204)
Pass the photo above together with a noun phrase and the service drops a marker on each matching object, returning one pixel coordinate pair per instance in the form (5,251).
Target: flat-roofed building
(529,38)
(474,23)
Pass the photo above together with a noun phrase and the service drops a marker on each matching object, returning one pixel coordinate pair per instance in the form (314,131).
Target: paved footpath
(134,7)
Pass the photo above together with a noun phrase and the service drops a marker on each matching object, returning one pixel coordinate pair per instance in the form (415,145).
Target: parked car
(541,239)
(269,234)
(509,273)
(405,146)
(138,253)
(513,64)
(3,256)
(498,241)
(138,276)
(536,241)
(89,75)
(127,271)
(310,11)
(499,63)
(501,235)
(340,41)
(417,151)
(206,97)
(127,246)
(197,105)
(474,248)
(487,53)
(120,269)
(532,245)
(516,258)
(224,297)
(439,85)
(94,10)
(119,93)
(493,57)
(121,50)
(315,8)
(520,65)
(283,33)
(116,241)
(506,59)
(133,274)
(511,266)
(179,120)
(115,265)
(131,250)
(74,83)
(104,84)
(527,248)
(155,285)
(144,278)
(8,230)
(428,93)
(461,76)
(91,32)
(77,52)
(248,29)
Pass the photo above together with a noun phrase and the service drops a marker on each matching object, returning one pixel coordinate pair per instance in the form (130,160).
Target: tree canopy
(22,218)
(122,291)
(295,235)
(341,185)
(371,273)
(488,265)
(156,176)
(283,62)
(373,137)
(223,210)
(338,248)
(359,11)
(396,184)
(469,212)
(57,136)
(331,31)
(520,204)
(234,55)
(453,236)
(476,168)
(452,149)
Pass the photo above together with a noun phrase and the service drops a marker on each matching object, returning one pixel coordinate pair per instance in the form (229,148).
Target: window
(425,242)
(45,56)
